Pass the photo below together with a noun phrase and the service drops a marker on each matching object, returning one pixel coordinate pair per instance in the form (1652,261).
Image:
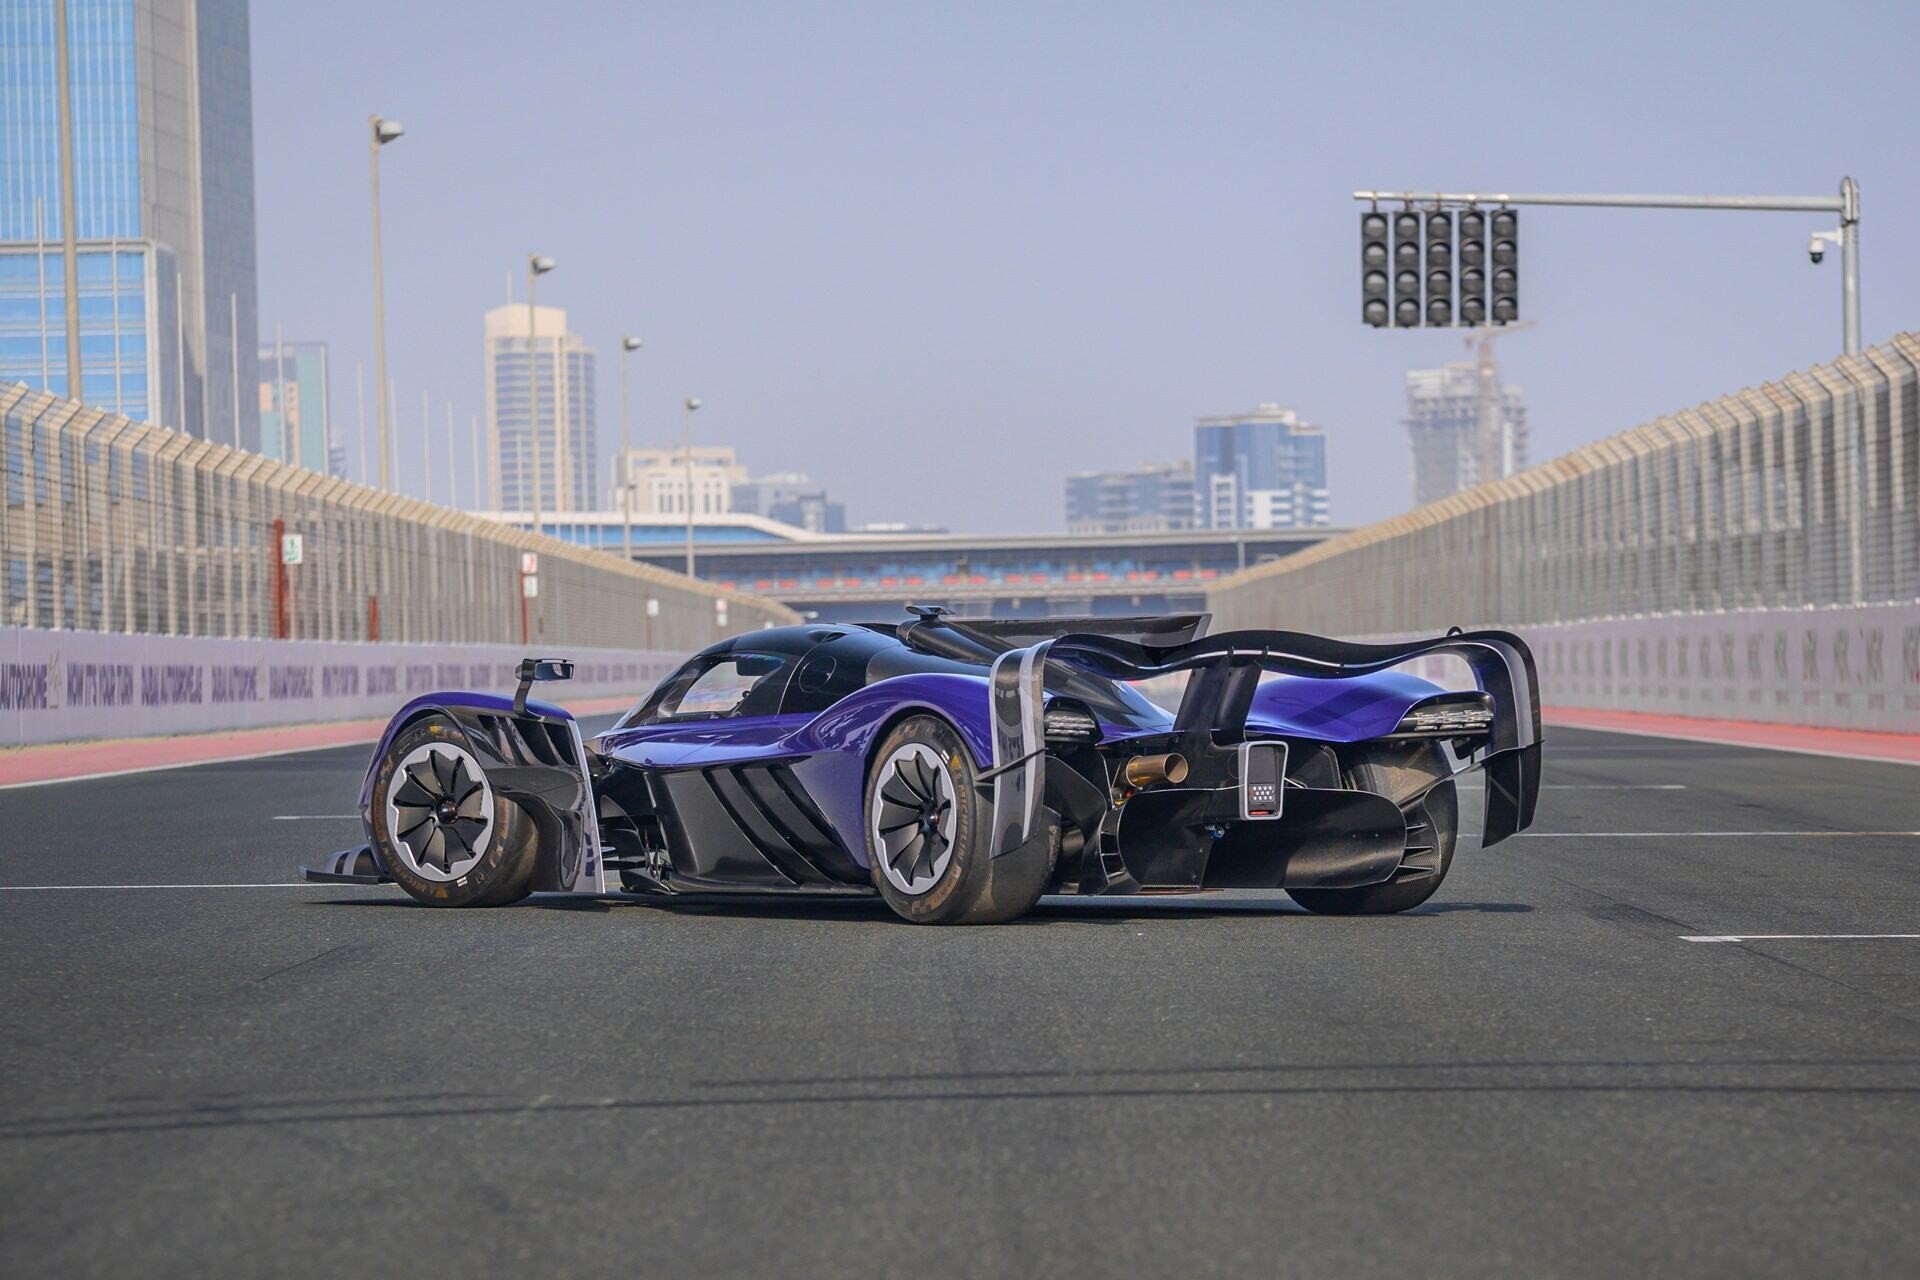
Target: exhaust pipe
(1144,771)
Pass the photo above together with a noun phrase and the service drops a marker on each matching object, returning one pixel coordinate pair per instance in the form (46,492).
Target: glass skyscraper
(568,461)
(160,126)
(1261,470)
(296,405)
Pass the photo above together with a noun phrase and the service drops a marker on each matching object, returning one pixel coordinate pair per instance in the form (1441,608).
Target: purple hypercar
(962,768)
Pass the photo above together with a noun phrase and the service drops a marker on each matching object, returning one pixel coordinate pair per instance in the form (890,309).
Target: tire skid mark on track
(1351,1068)
(1623,911)
(266,1117)
(312,959)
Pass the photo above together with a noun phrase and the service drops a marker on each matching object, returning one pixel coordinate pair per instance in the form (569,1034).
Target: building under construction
(1463,426)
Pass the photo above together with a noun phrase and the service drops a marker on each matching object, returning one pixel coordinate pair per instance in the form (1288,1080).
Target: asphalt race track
(1537,1074)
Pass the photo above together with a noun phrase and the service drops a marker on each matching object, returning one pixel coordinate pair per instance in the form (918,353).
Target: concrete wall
(1842,668)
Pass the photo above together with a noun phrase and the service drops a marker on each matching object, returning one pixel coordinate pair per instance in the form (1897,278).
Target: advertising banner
(60,686)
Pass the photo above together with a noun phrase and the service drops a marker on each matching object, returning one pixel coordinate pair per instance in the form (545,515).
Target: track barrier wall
(154,583)
(121,526)
(1756,558)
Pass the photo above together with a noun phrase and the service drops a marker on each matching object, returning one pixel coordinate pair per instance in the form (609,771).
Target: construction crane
(1488,452)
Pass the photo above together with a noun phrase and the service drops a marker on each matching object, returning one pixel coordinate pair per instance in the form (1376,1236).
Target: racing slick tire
(928,825)
(1432,811)
(443,833)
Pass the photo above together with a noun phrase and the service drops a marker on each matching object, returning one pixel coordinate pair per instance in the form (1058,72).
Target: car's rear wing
(1225,670)
(935,630)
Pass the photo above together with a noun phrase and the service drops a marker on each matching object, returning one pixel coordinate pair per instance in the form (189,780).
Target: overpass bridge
(844,577)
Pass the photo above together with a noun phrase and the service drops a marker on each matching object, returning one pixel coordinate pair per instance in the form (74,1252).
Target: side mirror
(546,669)
(532,669)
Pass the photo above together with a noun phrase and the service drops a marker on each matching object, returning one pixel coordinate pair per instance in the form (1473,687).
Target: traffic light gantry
(1415,273)
(1469,273)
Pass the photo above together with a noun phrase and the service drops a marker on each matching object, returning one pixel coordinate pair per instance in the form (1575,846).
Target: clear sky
(941,255)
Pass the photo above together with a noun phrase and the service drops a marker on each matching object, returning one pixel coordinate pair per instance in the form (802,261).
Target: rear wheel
(928,834)
(1432,812)
(443,833)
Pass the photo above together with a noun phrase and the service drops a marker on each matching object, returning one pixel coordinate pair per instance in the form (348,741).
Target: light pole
(537,266)
(686,432)
(628,345)
(380,133)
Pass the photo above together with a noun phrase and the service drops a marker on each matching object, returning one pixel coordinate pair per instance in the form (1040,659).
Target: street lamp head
(385,131)
(540,264)
(693,403)
(630,344)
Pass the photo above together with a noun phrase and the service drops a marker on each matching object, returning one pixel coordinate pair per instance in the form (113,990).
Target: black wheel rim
(439,811)
(913,818)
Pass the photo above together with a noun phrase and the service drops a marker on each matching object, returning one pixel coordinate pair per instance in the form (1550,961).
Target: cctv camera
(1816,249)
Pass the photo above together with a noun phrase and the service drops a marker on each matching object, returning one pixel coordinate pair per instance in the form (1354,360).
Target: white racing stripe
(1791,937)
(313,817)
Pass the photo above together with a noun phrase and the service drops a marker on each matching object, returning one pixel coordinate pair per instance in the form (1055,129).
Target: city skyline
(897,258)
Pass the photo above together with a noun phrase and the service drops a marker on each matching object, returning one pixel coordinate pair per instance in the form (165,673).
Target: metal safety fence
(114,525)
(1795,494)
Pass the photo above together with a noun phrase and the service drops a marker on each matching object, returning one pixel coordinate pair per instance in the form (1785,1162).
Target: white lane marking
(312,817)
(1604,786)
(1702,739)
(187,764)
(1789,937)
(1689,835)
(195,764)
(45,888)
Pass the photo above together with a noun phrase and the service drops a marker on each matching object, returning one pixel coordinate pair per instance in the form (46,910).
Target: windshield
(718,687)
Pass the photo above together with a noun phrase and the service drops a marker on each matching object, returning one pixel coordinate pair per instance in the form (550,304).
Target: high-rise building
(296,423)
(657,480)
(154,224)
(1265,469)
(1445,408)
(791,498)
(568,460)
(1152,498)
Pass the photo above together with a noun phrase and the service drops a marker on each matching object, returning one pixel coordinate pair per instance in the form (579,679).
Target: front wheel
(928,834)
(443,833)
